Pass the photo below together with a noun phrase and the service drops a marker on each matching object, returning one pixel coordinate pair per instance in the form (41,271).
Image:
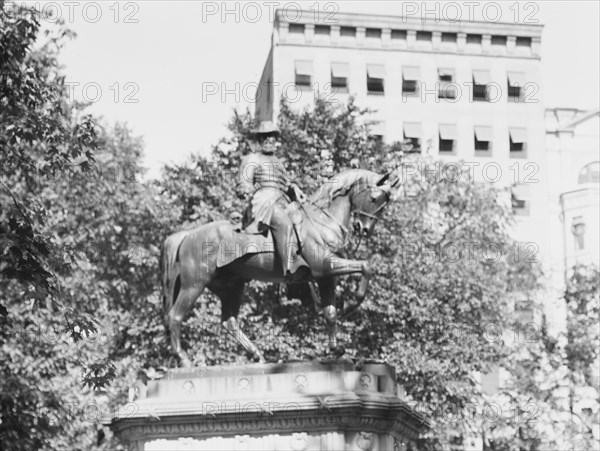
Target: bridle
(361,213)
(373,216)
(358,212)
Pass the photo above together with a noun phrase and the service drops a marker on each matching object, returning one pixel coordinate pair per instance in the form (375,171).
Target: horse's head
(367,194)
(368,198)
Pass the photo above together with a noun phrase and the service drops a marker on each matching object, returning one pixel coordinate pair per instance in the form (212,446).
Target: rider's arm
(245,184)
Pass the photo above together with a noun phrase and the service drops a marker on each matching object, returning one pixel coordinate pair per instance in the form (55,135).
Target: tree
(439,294)
(553,388)
(80,233)
(40,133)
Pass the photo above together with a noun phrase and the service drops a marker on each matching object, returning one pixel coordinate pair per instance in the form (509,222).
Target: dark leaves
(99,374)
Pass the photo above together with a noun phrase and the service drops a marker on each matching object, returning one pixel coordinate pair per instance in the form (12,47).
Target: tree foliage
(552,394)
(78,242)
(80,230)
(437,291)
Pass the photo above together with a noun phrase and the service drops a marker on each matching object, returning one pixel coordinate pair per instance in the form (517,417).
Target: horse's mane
(340,184)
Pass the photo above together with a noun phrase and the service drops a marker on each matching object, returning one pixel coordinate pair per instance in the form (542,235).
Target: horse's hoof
(185,362)
(338,351)
(258,358)
(202,367)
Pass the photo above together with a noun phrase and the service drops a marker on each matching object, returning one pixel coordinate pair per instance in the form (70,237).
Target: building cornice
(404,50)
(408,23)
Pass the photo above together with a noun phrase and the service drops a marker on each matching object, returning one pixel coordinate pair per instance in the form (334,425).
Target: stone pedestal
(335,405)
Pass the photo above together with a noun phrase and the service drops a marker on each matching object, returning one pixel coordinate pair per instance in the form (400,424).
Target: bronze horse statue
(218,257)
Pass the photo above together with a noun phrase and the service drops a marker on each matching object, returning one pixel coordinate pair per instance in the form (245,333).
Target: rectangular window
(322,30)
(516,81)
(498,40)
(377,130)
(423,35)
(399,34)
(474,39)
(483,140)
(339,76)
(447,85)
(517,203)
(304,71)
(296,28)
(520,199)
(349,32)
(524,310)
(518,141)
(523,41)
(375,77)
(447,138)
(373,33)
(412,135)
(449,37)
(578,231)
(410,80)
(481,78)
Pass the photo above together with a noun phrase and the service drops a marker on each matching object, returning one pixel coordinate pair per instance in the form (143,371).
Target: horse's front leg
(327,290)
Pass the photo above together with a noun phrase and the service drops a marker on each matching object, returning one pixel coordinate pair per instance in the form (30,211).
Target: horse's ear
(383,179)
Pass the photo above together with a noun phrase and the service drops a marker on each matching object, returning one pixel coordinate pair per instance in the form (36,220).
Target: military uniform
(263,180)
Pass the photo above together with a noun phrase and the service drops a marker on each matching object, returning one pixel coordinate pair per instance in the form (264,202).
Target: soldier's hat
(266,128)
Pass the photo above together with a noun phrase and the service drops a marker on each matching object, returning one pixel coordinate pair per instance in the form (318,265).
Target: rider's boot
(298,268)
(293,267)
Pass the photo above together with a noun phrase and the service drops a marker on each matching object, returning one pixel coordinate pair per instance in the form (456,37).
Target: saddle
(251,239)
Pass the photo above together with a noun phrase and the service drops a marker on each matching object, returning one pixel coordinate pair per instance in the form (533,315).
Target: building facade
(572,145)
(467,92)
(462,91)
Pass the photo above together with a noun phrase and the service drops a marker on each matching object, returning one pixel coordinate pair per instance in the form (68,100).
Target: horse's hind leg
(327,289)
(185,300)
(231,299)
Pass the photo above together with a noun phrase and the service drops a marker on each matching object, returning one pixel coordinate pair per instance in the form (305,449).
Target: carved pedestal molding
(290,406)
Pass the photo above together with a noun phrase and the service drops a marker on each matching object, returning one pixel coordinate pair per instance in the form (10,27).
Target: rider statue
(264,183)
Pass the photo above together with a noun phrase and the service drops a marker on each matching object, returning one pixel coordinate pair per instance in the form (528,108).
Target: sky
(150,63)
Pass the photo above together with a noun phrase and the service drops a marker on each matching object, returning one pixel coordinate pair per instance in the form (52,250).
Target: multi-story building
(459,91)
(572,146)
(465,91)
(573,143)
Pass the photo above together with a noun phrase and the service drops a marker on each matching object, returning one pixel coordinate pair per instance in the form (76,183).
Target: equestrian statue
(283,238)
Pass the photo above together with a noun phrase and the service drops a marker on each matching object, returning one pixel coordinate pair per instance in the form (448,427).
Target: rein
(345,231)
(374,216)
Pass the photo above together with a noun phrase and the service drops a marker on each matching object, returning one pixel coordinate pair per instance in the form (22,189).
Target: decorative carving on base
(304,405)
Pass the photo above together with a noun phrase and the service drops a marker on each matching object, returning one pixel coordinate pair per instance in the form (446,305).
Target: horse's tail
(169,273)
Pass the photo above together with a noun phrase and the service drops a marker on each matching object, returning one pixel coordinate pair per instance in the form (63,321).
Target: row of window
(411,76)
(590,173)
(448,138)
(375,33)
